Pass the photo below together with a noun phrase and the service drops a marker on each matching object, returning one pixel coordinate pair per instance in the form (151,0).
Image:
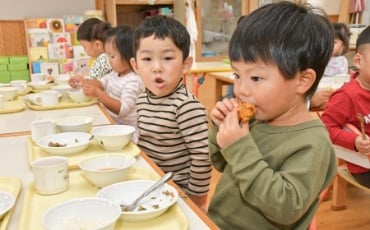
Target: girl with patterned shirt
(91,35)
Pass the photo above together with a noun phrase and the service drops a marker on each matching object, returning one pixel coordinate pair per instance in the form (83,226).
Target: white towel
(191,26)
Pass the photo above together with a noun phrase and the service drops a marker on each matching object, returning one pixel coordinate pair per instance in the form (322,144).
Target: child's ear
(357,60)
(133,64)
(306,80)
(99,44)
(187,65)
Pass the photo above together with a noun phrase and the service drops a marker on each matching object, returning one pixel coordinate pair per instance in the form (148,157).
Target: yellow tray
(25,91)
(35,152)
(63,104)
(12,185)
(12,106)
(35,205)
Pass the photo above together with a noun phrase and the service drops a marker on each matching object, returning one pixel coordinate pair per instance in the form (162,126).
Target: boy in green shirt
(274,166)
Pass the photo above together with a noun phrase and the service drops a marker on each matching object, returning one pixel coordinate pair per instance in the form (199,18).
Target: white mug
(50,175)
(47,98)
(41,128)
(21,85)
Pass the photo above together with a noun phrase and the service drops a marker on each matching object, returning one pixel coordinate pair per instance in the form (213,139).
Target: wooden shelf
(131,12)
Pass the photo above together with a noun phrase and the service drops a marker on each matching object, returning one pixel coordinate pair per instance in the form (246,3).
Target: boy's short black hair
(93,29)
(121,36)
(363,38)
(294,37)
(342,32)
(163,27)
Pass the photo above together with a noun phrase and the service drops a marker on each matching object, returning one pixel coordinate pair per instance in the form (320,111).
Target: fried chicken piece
(245,111)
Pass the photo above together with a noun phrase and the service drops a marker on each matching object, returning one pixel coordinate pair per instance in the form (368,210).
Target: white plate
(74,142)
(154,204)
(7,201)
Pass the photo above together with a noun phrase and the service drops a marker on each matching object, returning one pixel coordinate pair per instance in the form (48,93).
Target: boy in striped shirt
(172,123)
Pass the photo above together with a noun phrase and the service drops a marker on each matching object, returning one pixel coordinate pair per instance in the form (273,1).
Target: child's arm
(200,201)
(95,89)
(193,125)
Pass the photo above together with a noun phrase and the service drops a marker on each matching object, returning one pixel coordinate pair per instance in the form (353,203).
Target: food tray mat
(36,152)
(12,185)
(63,104)
(12,106)
(35,204)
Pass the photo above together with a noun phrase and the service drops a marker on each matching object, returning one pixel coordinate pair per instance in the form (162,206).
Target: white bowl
(103,170)
(8,93)
(62,79)
(113,137)
(154,204)
(82,213)
(40,85)
(77,95)
(75,124)
(62,89)
(74,142)
(7,201)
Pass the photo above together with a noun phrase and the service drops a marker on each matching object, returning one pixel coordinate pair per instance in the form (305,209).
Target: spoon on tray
(158,184)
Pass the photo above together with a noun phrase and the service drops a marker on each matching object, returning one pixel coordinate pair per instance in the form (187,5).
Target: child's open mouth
(159,82)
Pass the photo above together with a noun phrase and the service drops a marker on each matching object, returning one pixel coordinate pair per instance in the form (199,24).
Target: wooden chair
(344,176)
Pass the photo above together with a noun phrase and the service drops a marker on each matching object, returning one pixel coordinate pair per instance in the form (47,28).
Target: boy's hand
(362,146)
(230,130)
(222,109)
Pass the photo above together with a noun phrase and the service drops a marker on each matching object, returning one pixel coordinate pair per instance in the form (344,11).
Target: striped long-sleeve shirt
(174,133)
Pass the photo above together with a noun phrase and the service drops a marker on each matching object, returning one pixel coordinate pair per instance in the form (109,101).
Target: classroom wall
(20,9)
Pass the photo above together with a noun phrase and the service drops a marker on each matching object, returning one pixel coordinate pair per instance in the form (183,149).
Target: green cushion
(4,60)
(4,76)
(18,59)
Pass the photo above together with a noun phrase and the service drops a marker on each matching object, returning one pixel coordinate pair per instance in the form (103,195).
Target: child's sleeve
(193,124)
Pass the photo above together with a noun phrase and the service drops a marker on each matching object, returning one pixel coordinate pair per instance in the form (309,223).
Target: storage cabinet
(216,22)
(132,12)
(217,19)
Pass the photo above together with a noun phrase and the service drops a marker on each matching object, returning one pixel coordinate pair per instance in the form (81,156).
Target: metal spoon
(158,184)
(362,123)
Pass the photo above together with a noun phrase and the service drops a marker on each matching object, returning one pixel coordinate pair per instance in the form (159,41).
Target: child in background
(118,90)
(338,63)
(346,102)
(91,35)
(275,166)
(172,123)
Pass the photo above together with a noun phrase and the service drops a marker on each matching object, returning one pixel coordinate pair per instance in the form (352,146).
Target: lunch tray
(35,152)
(35,204)
(25,91)
(63,104)
(12,185)
(12,106)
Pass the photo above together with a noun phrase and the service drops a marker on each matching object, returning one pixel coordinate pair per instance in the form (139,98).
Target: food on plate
(245,111)
(56,144)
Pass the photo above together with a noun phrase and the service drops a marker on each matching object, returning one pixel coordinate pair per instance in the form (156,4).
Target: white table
(19,122)
(14,163)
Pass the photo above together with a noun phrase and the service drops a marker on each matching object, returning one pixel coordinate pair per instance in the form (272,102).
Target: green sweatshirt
(271,178)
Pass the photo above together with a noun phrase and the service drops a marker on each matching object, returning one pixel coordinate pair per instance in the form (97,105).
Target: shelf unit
(131,12)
